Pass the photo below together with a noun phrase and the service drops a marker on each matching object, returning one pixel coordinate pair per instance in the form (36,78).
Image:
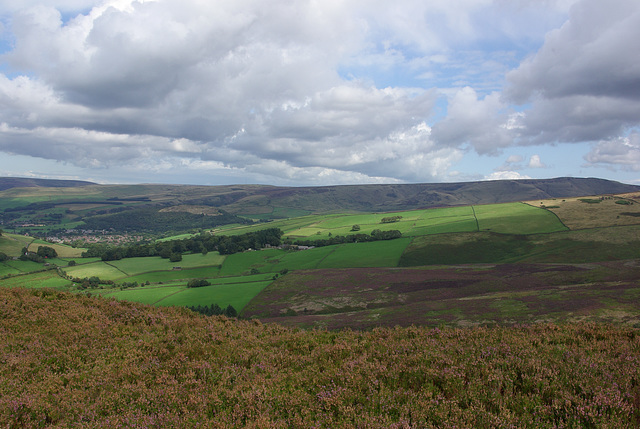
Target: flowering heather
(73,361)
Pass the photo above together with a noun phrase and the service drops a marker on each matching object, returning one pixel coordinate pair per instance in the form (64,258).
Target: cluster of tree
(43,253)
(198,283)
(3,257)
(92,282)
(47,252)
(201,243)
(376,235)
(390,219)
(214,310)
(152,220)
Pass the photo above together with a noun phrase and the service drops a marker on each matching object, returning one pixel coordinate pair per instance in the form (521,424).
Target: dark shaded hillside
(269,202)
(21,182)
(379,198)
(73,361)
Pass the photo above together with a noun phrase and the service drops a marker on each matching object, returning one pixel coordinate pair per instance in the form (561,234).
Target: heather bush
(73,361)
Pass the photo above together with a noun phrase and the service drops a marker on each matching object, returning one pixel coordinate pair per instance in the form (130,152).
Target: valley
(363,260)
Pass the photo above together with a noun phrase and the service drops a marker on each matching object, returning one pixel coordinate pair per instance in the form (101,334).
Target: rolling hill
(270,202)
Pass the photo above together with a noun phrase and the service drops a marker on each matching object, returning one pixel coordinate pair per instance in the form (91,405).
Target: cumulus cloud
(535,162)
(482,123)
(584,83)
(311,92)
(621,151)
(506,175)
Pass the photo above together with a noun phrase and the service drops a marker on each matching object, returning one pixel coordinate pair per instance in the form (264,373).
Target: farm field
(95,269)
(62,250)
(438,238)
(607,211)
(42,279)
(222,291)
(12,244)
(508,218)
(134,266)
(517,218)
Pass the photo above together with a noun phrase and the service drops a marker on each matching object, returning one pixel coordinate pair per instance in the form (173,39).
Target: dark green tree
(230,311)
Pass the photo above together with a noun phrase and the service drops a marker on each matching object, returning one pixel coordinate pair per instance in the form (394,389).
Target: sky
(319,92)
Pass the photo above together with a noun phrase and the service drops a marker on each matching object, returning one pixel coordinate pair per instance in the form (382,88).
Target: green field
(98,269)
(43,279)
(496,233)
(12,244)
(517,218)
(7,269)
(510,218)
(374,254)
(237,295)
(225,291)
(175,275)
(134,266)
(146,295)
(62,250)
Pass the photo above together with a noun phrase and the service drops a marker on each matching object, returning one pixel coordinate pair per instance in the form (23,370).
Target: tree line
(201,243)
(376,235)
(214,310)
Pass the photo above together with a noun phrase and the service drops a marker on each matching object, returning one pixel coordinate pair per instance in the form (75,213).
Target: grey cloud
(584,83)
(482,123)
(622,151)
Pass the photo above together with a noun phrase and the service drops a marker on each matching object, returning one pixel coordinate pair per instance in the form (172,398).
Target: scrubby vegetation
(73,361)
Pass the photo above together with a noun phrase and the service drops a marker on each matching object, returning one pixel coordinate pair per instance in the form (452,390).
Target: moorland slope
(72,361)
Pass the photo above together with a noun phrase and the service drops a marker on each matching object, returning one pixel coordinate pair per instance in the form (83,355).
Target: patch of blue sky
(536,162)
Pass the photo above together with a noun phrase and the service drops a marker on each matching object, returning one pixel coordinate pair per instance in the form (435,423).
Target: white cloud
(311,91)
(506,175)
(535,162)
(619,152)
(478,122)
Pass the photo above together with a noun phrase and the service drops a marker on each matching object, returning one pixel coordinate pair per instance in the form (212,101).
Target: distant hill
(379,198)
(271,202)
(21,182)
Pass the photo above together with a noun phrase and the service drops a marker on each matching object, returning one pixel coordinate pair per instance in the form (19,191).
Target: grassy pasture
(237,291)
(173,276)
(374,254)
(516,218)
(145,295)
(579,215)
(12,244)
(511,218)
(99,269)
(135,266)
(62,250)
(371,254)
(241,263)
(42,279)
(7,269)
(25,266)
(237,295)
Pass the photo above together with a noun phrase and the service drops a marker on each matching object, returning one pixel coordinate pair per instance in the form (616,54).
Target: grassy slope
(12,244)
(71,361)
